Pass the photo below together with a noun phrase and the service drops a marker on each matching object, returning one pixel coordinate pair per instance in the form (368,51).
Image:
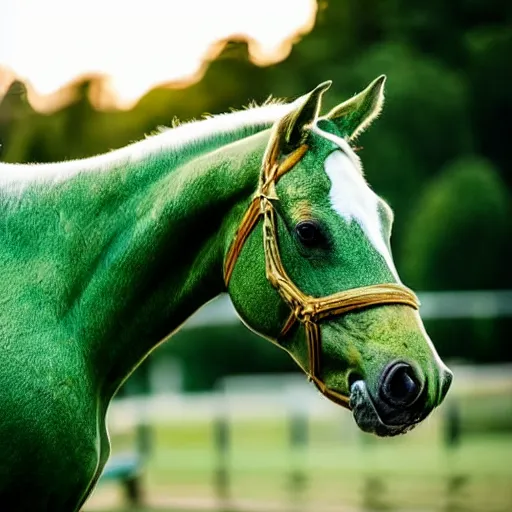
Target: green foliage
(457,236)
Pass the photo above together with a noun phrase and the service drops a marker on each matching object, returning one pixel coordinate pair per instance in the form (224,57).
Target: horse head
(310,268)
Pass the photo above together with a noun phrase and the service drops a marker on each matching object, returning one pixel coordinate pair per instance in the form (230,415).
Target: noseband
(305,309)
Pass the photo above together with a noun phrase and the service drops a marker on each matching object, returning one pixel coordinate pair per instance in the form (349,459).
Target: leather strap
(305,309)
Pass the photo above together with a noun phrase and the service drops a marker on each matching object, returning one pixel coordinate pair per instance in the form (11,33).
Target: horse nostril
(400,385)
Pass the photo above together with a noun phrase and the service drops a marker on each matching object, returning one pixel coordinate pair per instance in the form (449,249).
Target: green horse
(104,258)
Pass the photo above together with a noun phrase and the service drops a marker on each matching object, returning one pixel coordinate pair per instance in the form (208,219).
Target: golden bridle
(304,309)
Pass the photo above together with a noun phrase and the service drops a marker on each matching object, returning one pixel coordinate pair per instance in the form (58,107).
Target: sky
(136,44)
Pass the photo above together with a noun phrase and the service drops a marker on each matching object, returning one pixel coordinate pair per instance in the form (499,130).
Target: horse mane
(177,143)
(176,122)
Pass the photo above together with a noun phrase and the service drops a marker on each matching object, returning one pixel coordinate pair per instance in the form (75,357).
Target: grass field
(340,469)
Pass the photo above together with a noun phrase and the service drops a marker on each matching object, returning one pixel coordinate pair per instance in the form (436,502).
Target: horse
(104,258)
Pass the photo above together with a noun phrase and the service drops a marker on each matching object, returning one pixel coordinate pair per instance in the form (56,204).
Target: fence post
(221,441)
(375,495)
(452,424)
(298,439)
(452,430)
(139,386)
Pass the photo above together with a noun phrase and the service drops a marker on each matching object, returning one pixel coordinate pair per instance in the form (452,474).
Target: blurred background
(216,418)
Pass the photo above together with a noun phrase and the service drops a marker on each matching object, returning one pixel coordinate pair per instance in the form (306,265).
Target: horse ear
(355,115)
(292,128)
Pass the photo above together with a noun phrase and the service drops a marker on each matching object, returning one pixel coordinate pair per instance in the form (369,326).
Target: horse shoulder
(51,421)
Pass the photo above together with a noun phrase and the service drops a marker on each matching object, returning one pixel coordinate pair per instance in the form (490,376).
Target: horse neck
(175,263)
(138,250)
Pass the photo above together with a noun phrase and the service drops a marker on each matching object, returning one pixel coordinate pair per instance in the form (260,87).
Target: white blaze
(354,201)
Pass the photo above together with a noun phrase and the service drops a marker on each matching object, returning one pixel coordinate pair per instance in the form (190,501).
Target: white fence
(269,396)
(447,304)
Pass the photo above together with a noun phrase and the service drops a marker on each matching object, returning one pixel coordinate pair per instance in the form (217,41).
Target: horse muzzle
(399,403)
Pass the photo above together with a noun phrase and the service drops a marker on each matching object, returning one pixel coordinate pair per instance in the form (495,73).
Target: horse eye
(309,233)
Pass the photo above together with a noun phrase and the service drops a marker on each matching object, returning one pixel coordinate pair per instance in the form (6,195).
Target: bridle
(305,309)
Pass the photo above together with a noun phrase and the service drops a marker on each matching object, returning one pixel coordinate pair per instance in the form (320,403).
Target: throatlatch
(305,309)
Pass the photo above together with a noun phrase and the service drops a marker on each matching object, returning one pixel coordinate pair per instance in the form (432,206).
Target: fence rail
(434,305)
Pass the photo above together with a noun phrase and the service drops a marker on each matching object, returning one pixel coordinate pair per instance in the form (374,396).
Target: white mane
(172,140)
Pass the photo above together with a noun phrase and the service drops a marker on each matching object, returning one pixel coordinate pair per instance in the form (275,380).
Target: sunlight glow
(135,46)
